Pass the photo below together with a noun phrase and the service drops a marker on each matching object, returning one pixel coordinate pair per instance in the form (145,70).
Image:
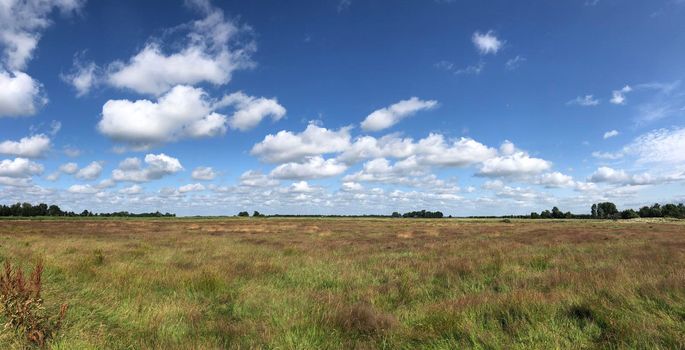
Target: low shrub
(22,305)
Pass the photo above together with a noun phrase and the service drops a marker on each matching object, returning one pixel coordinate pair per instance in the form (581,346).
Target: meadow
(356,283)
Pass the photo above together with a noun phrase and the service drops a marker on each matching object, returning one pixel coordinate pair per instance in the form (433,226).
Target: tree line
(42,209)
(608,210)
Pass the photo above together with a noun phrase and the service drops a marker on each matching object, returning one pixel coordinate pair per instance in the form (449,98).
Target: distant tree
(54,210)
(546,214)
(629,214)
(257,214)
(557,214)
(534,215)
(243,213)
(396,214)
(607,210)
(593,211)
(423,214)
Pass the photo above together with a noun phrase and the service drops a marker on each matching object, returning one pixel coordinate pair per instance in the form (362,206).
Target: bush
(22,306)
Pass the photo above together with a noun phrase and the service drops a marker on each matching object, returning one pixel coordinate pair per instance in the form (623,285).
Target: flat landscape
(356,283)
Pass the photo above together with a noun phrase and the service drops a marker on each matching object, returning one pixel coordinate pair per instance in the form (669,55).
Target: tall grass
(349,283)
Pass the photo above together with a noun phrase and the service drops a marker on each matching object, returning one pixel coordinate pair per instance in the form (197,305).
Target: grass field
(357,283)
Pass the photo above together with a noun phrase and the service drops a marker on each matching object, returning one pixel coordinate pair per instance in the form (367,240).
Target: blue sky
(469,107)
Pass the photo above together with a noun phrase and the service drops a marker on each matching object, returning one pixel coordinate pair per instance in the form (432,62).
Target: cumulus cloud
(20,95)
(69,168)
(90,172)
(386,117)
(618,97)
(435,150)
(158,166)
(350,186)
(211,51)
(204,173)
(287,146)
(367,147)
(249,111)
(584,101)
(191,188)
(19,168)
(513,165)
(83,76)
(131,190)
(613,176)
(21,24)
(555,179)
(83,189)
(487,43)
(253,178)
(27,147)
(181,113)
(610,134)
(312,168)
(405,172)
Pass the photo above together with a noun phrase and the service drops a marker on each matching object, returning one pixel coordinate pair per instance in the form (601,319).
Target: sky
(202,107)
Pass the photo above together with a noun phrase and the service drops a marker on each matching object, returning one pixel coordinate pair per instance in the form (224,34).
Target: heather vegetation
(344,283)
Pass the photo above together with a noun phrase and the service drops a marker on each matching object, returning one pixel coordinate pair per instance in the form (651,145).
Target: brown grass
(370,283)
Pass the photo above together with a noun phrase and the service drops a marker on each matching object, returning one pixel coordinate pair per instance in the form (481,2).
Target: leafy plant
(22,305)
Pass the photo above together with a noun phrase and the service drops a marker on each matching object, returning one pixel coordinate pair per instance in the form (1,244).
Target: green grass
(357,283)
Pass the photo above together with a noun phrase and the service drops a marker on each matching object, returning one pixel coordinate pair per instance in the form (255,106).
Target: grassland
(350,283)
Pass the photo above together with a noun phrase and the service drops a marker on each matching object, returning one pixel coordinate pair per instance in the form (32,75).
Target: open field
(357,283)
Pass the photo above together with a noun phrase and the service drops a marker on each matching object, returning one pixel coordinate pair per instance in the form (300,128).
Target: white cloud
(607,155)
(386,117)
(472,69)
(610,134)
(555,179)
(517,164)
(204,173)
(19,168)
(69,168)
(286,146)
(191,188)
(253,178)
(181,113)
(514,63)
(585,101)
(487,43)
(405,172)
(82,189)
(20,95)
(83,76)
(434,150)
(665,146)
(312,168)
(618,97)
(72,151)
(613,176)
(350,186)
(251,110)
(366,147)
(211,53)
(131,190)
(28,147)
(159,165)
(21,23)
(90,172)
